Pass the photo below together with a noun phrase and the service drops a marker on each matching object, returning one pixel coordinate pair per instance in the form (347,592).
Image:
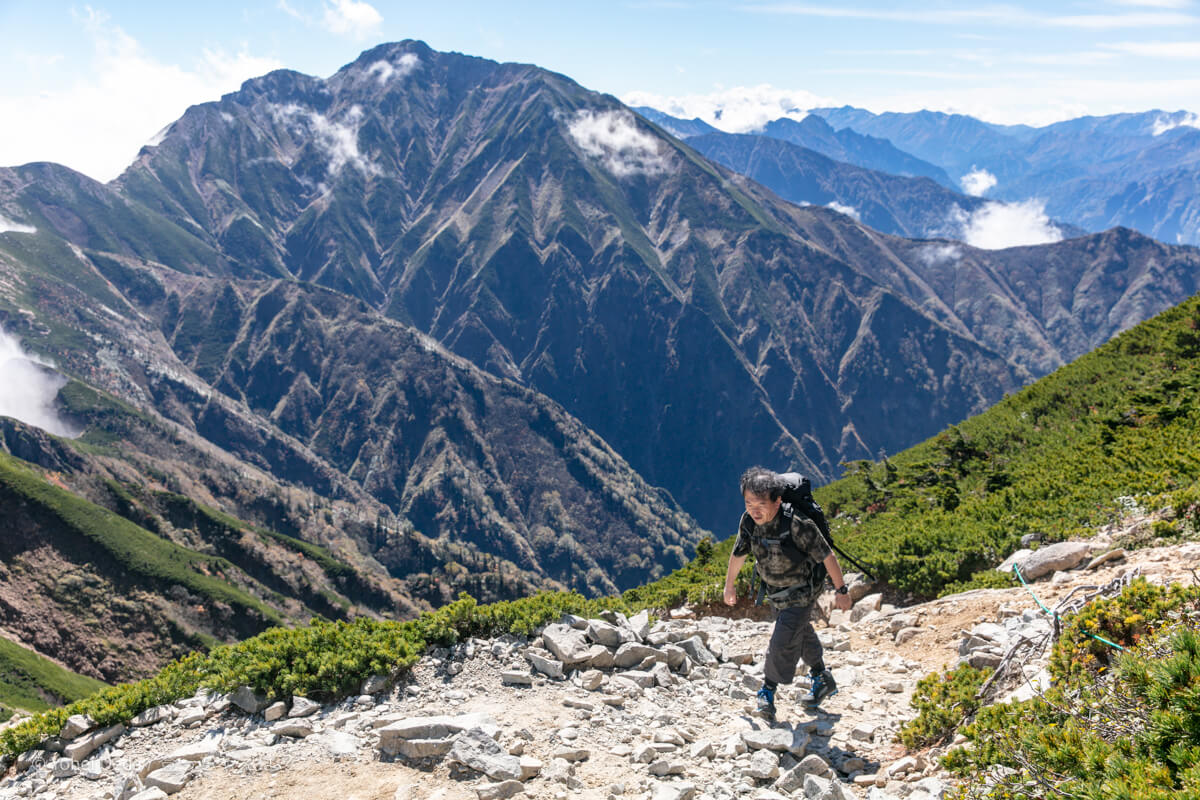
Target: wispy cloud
(386,70)
(353,18)
(849,211)
(97,124)
(933,255)
(613,137)
(8,226)
(28,388)
(338,140)
(996,15)
(735,110)
(996,226)
(1180,51)
(1122,21)
(1154,3)
(1169,122)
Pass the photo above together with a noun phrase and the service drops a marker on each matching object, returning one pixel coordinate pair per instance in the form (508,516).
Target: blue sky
(88,84)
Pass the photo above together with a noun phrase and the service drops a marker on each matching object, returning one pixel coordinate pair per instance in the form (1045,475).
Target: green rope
(1021,578)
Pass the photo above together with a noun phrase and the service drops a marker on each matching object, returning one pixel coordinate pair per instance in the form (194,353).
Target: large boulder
(569,645)
(1047,560)
(477,750)
(609,635)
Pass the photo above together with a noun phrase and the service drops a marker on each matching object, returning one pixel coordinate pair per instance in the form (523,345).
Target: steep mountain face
(692,319)
(547,235)
(912,207)
(302,411)
(449,447)
(1134,170)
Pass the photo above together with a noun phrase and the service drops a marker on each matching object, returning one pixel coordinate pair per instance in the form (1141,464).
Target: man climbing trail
(792,559)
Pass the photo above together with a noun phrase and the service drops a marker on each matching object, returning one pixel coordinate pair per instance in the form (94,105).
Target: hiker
(792,558)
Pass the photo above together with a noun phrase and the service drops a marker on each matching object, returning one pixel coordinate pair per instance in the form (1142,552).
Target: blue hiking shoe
(766,704)
(823,685)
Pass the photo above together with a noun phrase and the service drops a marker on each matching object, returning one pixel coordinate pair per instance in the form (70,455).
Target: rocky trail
(607,709)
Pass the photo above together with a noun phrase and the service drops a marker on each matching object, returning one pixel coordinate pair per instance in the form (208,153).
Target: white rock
(275,711)
(153,793)
(76,725)
(764,765)
(303,707)
(172,777)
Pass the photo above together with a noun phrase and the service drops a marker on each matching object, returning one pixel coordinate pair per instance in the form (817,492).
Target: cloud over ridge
(995,226)
(614,138)
(977,182)
(28,387)
(741,109)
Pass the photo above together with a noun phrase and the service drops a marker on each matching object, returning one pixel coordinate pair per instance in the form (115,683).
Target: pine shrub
(1130,732)
(942,703)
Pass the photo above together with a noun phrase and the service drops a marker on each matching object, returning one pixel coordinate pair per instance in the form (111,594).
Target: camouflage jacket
(789,554)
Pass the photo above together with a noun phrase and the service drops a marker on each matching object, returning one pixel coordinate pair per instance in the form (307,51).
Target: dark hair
(760,480)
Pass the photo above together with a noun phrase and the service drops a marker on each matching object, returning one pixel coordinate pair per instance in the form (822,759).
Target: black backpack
(797,493)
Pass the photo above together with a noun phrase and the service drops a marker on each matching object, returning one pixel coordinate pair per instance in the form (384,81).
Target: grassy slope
(153,559)
(1118,426)
(31,683)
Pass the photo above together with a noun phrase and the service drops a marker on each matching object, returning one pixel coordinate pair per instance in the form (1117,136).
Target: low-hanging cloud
(385,70)
(934,255)
(28,386)
(8,226)
(614,138)
(737,110)
(849,211)
(1173,121)
(338,140)
(995,226)
(977,182)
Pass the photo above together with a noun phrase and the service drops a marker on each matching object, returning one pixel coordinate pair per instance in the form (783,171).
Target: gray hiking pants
(792,640)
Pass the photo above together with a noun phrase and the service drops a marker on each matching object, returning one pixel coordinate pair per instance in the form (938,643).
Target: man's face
(761,507)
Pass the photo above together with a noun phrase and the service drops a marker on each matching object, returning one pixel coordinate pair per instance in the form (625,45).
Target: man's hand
(842,602)
(730,596)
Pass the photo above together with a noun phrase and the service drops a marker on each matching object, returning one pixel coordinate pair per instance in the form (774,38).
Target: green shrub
(1132,731)
(324,660)
(942,703)
(1123,620)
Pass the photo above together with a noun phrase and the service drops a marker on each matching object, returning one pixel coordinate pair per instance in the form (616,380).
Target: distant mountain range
(468,325)
(1088,174)
(1136,170)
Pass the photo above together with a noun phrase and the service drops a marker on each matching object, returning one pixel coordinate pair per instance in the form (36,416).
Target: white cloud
(28,389)
(98,124)
(995,226)
(1155,3)
(977,182)
(737,110)
(1181,51)
(1008,15)
(849,211)
(932,255)
(338,140)
(614,138)
(351,18)
(8,226)
(386,70)
(1172,121)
